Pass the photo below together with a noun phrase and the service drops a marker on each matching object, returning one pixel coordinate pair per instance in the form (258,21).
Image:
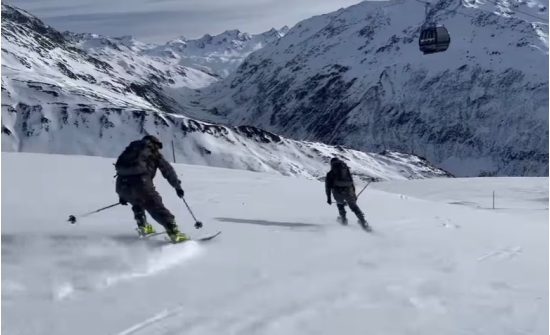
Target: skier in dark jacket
(340,182)
(136,168)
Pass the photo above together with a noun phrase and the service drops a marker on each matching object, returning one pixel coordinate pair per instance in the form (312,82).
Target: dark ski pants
(141,193)
(346,195)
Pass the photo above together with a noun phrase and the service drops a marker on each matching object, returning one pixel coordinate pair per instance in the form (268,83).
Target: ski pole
(198,224)
(363,189)
(72,218)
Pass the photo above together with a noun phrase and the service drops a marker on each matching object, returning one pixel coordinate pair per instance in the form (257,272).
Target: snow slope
(478,192)
(57,98)
(357,77)
(39,59)
(281,266)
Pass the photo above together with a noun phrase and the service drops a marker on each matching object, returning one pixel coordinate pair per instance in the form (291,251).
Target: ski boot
(364,224)
(342,220)
(145,229)
(175,235)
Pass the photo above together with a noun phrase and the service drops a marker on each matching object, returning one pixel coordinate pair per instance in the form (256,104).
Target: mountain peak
(276,32)
(12,15)
(232,32)
(125,38)
(177,41)
(357,77)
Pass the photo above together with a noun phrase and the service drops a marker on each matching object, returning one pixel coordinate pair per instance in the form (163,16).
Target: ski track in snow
(429,267)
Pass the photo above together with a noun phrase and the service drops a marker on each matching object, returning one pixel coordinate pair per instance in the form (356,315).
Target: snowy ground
(511,194)
(429,268)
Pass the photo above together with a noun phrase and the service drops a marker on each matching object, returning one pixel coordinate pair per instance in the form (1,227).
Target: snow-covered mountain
(58,98)
(125,54)
(220,54)
(357,77)
(217,55)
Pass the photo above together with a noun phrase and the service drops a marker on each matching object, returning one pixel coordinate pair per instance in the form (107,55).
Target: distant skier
(136,168)
(340,182)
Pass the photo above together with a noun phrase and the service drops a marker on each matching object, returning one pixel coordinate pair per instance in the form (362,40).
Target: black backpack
(342,175)
(133,160)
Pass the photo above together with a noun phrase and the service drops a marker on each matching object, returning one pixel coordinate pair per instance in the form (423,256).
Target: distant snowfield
(281,266)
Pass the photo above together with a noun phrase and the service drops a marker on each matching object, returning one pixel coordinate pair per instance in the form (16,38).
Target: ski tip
(209,237)
(368,229)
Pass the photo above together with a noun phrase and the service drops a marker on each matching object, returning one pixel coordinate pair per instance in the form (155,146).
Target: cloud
(158,21)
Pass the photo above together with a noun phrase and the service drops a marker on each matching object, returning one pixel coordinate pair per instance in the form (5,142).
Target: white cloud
(161,20)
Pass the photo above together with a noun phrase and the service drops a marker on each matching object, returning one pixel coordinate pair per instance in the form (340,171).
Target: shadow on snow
(291,225)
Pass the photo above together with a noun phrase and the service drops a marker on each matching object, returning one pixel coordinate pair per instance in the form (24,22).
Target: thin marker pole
(173,151)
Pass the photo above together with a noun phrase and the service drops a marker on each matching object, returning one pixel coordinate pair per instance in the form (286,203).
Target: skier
(136,168)
(340,182)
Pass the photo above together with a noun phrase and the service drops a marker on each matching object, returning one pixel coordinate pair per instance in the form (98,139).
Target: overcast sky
(158,21)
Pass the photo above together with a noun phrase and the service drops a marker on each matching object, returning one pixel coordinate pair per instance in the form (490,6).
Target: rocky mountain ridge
(58,98)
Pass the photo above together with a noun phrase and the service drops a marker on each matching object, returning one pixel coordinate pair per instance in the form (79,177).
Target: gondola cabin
(434,39)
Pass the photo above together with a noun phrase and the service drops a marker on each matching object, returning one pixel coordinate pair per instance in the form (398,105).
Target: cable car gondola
(434,39)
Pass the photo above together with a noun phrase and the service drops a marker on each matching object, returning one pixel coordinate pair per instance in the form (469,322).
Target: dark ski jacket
(339,176)
(144,158)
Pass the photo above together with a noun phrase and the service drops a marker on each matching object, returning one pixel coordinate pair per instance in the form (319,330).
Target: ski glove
(329,201)
(179,192)
(122,201)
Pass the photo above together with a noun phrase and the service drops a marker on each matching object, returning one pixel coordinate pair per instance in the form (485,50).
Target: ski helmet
(153,139)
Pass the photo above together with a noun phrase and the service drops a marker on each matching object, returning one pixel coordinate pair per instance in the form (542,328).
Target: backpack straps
(342,177)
